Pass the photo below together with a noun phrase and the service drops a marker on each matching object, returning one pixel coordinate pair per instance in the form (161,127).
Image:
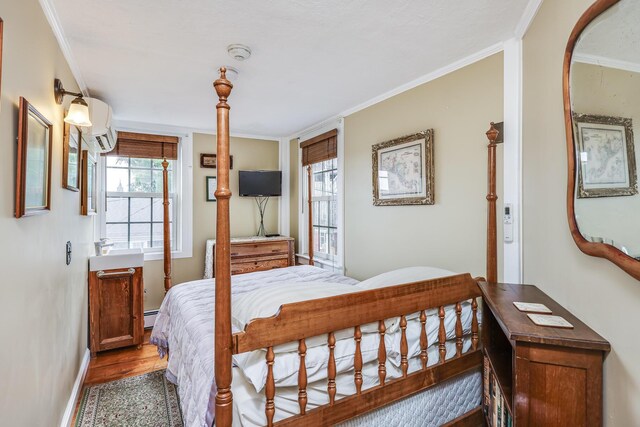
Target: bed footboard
(298,321)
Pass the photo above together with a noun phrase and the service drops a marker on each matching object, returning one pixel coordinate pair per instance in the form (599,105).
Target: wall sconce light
(78,114)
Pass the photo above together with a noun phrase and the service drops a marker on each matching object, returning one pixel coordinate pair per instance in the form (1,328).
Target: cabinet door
(116,311)
(558,386)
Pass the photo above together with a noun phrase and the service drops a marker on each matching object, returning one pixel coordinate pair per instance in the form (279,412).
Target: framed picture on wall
(403,170)
(211,161)
(33,166)
(89,184)
(71,157)
(212,183)
(606,156)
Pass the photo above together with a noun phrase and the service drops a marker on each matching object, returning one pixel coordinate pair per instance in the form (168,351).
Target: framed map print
(605,155)
(403,171)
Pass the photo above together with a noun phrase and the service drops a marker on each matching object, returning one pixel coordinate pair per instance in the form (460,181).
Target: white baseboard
(150,318)
(75,392)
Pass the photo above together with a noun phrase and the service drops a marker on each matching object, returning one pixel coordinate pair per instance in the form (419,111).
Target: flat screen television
(260,183)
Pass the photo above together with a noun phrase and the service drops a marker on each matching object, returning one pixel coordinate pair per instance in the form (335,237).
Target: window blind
(147,146)
(322,147)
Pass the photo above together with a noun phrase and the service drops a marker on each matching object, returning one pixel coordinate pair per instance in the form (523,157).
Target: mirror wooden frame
(602,250)
(27,110)
(66,149)
(88,186)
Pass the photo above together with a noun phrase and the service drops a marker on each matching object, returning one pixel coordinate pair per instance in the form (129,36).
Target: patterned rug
(147,400)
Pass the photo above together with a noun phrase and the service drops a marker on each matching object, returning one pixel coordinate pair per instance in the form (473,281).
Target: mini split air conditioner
(103,137)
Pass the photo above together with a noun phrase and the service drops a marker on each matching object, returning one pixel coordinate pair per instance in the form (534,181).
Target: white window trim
(184,196)
(338,263)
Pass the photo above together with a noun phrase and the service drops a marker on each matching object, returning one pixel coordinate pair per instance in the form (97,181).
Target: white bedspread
(185,326)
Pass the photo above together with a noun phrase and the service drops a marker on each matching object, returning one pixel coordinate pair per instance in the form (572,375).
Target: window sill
(157,256)
(325,262)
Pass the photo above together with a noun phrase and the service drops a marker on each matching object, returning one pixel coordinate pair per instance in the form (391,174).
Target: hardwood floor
(121,363)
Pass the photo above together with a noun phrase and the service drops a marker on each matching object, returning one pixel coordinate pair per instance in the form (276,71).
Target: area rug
(147,400)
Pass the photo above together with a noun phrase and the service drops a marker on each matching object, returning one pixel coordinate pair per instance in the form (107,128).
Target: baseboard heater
(150,318)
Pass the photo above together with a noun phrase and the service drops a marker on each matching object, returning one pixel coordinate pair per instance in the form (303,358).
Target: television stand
(262,201)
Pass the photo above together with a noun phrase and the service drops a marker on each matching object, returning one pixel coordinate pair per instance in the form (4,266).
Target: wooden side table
(547,376)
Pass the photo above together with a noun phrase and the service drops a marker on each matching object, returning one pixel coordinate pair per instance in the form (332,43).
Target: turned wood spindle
(310,206)
(270,390)
(404,347)
(492,197)
(423,339)
(223,340)
(442,336)
(458,329)
(302,377)
(357,363)
(166,227)
(331,369)
(382,353)
(474,324)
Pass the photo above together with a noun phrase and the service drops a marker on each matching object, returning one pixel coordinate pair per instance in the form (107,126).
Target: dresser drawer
(239,250)
(258,265)
(258,254)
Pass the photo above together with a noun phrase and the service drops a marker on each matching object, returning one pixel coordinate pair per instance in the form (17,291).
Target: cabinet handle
(129,272)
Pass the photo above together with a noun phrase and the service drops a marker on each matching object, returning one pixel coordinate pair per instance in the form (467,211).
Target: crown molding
(586,58)
(135,126)
(461,63)
(527,18)
(52,16)
(454,66)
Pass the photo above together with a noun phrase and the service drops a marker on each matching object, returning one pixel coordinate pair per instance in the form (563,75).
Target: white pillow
(403,276)
(266,302)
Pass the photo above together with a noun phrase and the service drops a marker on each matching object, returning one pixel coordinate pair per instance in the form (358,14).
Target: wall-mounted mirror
(602,106)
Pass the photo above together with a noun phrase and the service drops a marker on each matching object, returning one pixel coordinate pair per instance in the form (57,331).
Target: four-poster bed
(377,341)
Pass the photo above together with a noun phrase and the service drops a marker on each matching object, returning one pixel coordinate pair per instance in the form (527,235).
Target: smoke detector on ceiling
(239,52)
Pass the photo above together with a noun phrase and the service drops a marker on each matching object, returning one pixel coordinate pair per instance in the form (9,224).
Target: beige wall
(595,290)
(43,308)
(248,154)
(451,233)
(294,169)
(609,92)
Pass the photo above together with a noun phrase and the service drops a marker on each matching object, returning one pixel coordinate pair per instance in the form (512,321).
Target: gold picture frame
(403,172)
(605,156)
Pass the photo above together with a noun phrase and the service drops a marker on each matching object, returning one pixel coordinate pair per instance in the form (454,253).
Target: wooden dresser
(249,254)
(547,376)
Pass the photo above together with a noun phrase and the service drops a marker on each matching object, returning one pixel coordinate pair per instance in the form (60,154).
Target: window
(134,211)
(325,212)
(322,167)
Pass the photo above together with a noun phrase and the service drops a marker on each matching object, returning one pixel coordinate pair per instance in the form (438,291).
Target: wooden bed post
(492,239)
(166,225)
(223,339)
(310,202)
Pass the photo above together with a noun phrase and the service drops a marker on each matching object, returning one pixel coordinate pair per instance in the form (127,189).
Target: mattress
(185,326)
(430,407)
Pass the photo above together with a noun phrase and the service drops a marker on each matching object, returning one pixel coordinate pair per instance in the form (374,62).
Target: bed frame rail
(310,318)
(301,320)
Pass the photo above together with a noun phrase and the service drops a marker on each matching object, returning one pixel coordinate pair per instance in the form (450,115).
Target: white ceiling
(613,36)
(155,61)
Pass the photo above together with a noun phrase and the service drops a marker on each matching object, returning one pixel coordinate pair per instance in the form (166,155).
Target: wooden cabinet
(547,376)
(258,254)
(116,316)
